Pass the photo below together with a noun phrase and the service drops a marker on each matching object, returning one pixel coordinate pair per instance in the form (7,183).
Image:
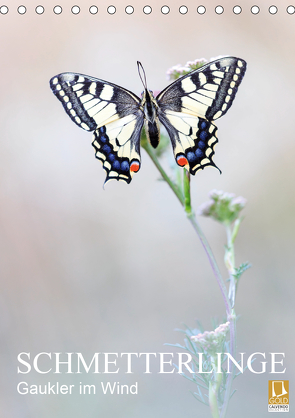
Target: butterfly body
(150,109)
(186,108)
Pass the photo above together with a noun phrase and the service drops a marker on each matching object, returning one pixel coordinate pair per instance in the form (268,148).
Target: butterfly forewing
(207,92)
(91,102)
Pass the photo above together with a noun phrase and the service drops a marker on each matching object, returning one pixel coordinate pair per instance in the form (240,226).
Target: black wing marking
(207,92)
(112,112)
(193,140)
(117,146)
(189,105)
(91,102)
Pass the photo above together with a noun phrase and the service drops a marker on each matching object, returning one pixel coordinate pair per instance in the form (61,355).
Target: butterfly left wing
(189,105)
(113,113)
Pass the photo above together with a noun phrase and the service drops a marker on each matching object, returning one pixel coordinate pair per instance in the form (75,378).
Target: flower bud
(223,207)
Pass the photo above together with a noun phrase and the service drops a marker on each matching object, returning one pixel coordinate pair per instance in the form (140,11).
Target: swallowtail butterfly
(186,108)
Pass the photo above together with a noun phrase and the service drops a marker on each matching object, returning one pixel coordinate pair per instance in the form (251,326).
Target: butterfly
(186,108)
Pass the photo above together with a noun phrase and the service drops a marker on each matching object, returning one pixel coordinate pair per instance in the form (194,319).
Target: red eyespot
(135,166)
(182,161)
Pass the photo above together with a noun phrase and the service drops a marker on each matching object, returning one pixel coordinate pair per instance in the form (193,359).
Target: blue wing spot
(124,166)
(102,129)
(203,135)
(111,157)
(116,165)
(201,145)
(203,125)
(191,156)
(103,138)
(106,149)
(199,153)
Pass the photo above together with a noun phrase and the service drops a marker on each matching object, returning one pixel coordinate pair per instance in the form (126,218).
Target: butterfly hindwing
(117,147)
(113,113)
(193,140)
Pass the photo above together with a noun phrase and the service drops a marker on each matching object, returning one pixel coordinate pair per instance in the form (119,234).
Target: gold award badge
(278,396)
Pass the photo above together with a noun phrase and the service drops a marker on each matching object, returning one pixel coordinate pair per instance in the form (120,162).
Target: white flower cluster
(178,70)
(211,341)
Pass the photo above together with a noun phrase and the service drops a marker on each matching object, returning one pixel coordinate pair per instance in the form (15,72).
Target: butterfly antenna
(141,73)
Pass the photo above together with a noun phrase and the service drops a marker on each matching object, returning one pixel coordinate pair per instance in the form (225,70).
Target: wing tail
(193,140)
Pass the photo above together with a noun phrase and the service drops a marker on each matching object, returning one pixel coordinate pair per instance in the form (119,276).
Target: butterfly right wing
(188,107)
(112,112)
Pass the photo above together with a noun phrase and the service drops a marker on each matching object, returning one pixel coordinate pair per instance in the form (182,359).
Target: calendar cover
(147,209)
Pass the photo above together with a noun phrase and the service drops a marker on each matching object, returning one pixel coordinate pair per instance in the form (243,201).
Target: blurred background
(89,270)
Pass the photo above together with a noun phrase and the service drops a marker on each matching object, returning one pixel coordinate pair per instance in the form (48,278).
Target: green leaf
(240,270)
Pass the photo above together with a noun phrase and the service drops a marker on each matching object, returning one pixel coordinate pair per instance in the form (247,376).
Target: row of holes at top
(147,10)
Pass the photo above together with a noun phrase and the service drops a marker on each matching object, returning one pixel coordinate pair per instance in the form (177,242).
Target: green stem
(155,160)
(230,376)
(186,203)
(230,245)
(192,218)
(213,400)
(230,265)
(187,192)
(214,387)
(212,261)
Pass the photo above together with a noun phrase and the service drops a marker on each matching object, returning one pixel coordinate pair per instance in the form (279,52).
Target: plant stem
(230,264)
(185,201)
(230,376)
(229,260)
(155,160)
(212,261)
(214,387)
(192,218)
